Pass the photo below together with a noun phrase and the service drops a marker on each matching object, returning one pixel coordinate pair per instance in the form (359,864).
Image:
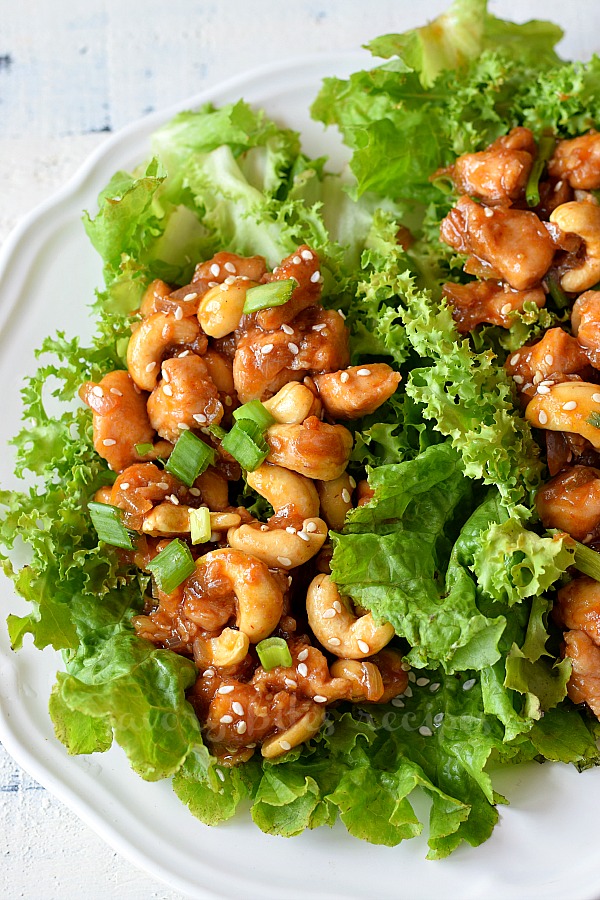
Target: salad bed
(449,552)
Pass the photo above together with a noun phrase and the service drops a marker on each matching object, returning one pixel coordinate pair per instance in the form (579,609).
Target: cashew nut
(293,403)
(221,308)
(336,500)
(583,219)
(228,649)
(356,391)
(337,628)
(149,344)
(279,548)
(585,324)
(287,492)
(569,406)
(301,731)
(214,488)
(314,449)
(367,683)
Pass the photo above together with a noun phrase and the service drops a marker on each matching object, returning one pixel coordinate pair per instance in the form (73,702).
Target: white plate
(546,843)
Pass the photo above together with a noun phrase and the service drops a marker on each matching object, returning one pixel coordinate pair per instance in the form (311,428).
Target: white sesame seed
(558,185)
(296,260)
(315,276)
(266,348)
(408,691)
(319,698)
(189,297)
(237,708)
(303,670)
(340,313)
(412,677)
(287,329)
(124,485)
(469,683)
(97,390)
(109,442)
(285,745)
(319,327)
(337,606)
(226,689)
(163,485)
(506,309)
(200,418)
(310,527)
(223,287)
(329,614)
(241,727)
(179,313)
(290,682)
(434,687)
(303,536)
(229,266)
(306,254)
(488,212)
(352,482)
(116,392)
(230,279)
(264,527)
(173,499)
(293,348)
(596,398)
(364,372)
(421,682)
(150,366)
(334,642)
(515,359)
(518,379)
(538,377)
(543,417)
(220,774)
(168,390)
(194,492)
(346,495)
(213,284)
(438,718)
(226,720)
(344,377)
(184,354)
(290,529)
(215,270)
(396,701)
(425,731)
(363,647)
(303,655)
(284,561)
(209,673)
(549,359)
(571,404)
(182,426)
(543,389)
(276,270)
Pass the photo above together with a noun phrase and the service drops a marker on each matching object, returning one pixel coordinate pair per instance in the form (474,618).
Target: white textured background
(70,73)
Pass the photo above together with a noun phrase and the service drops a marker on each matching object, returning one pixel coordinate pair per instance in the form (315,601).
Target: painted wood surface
(70,73)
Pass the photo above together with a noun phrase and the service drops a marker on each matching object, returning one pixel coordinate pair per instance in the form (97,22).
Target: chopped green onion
(189,458)
(594,419)
(587,560)
(443,183)
(217,432)
(107,521)
(144,449)
(545,151)
(245,442)
(172,566)
(273,652)
(200,525)
(263,296)
(561,300)
(255,412)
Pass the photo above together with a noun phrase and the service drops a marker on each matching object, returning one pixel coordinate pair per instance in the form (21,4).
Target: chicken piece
(556,355)
(308,674)
(185,398)
(577,162)
(356,391)
(487,301)
(584,683)
(514,243)
(303,267)
(578,607)
(140,487)
(571,502)
(585,321)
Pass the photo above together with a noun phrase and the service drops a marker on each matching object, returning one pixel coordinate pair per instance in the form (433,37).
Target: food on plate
(324,529)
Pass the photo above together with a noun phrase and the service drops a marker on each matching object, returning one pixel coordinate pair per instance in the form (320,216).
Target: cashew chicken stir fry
(520,252)
(193,358)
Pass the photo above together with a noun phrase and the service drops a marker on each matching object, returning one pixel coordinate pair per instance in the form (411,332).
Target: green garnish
(246,443)
(107,521)
(255,411)
(587,560)
(272,652)
(594,419)
(556,292)
(217,432)
(545,149)
(172,566)
(200,525)
(264,296)
(190,457)
(144,449)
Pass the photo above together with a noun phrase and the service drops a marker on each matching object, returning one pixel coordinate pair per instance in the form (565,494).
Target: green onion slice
(273,652)
(107,521)
(200,525)
(255,412)
(217,432)
(545,151)
(189,458)
(172,566)
(263,296)
(561,300)
(246,443)
(594,419)
(587,560)
(144,449)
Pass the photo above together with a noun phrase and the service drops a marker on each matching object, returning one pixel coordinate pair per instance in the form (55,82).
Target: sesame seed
(319,327)
(596,398)
(408,691)
(334,642)
(223,287)
(290,529)
(425,731)
(116,392)
(290,682)
(538,377)
(315,276)
(214,537)
(230,279)
(173,499)
(434,687)
(303,655)
(558,185)
(97,390)
(329,614)
(209,673)
(518,379)
(213,284)
(226,689)
(303,536)
(266,348)
(543,417)
(179,313)
(276,270)
(264,527)
(340,313)
(364,372)
(168,390)
(284,560)
(150,366)
(182,426)
(352,482)
(306,254)
(163,485)
(543,389)
(310,527)
(319,698)
(363,647)
(109,442)
(296,260)
(549,359)
(287,329)
(293,348)
(488,212)
(396,701)
(337,606)
(220,774)
(124,485)
(571,404)
(194,492)
(469,683)
(438,718)
(189,297)
(506,309)
(200,418)
(226,720)
(285,745)
(229,266)
(215,270)
(346,495)
(303,670)
(241,727)
(237,708)
(421,682)
(515,359)
(412,677)
(184,354)
(344,377)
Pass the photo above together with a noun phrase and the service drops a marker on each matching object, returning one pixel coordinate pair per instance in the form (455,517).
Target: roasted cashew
(288,493)
(166,518)
(258,595)
(336,500)
(293,403)
(228,649)
(583,219)
(568,406)
(149,344)
(356,391)
(314,449)
(277,547)
(221,309)
(301,731)
(367,683)
(337,628)
(585,324)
